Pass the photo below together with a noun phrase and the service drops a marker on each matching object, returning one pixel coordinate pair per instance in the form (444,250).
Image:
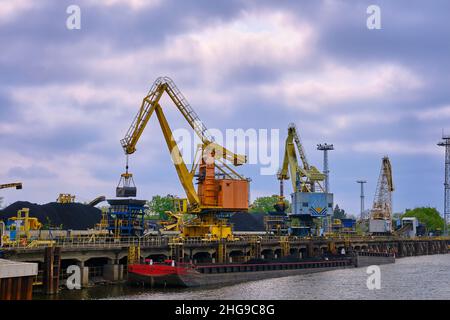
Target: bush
(266,204)
(430,217)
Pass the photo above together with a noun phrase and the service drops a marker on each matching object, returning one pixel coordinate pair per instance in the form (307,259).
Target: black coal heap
(243,221)
(74,216)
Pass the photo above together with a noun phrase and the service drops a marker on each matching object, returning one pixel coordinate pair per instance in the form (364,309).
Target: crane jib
(161,85)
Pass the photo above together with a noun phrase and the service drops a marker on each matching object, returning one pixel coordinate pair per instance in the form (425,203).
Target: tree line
(429,217)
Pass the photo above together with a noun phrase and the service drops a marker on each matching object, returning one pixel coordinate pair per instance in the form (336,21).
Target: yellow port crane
(217,192)
(382,204)
(309,199)
(304,177)
(381,214)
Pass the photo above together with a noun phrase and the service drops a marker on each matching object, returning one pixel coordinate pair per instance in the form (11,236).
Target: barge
(172,274)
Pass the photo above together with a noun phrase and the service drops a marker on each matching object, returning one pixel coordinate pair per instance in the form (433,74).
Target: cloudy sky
(68,96)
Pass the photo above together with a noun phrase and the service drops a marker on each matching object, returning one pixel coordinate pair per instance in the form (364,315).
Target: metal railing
(106,242)
(375,254)
(91,242)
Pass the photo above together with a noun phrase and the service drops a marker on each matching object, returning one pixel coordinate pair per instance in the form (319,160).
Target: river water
(425,277)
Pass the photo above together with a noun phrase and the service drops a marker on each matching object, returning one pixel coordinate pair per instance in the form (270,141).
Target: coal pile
(243,221)
(74,216)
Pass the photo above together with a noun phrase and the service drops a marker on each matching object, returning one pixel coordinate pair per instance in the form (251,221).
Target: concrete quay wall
(109,262)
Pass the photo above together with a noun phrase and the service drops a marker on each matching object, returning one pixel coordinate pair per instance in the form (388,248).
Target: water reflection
(426,277)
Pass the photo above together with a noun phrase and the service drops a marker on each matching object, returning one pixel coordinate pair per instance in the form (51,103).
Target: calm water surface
(426,277)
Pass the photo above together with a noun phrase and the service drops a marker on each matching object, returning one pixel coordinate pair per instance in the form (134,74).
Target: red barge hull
(184,275)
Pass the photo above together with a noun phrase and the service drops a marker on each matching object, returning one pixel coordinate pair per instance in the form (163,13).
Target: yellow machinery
(224,191)
(176,218)
(305,178)
(336,226)
(3,237)
(103,225)
(20,226)
(175,221)
(17,185)
(26,222)
(65,198)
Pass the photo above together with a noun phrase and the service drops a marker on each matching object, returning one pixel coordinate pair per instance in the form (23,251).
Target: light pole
(362,182)
(446,143)
(325,148)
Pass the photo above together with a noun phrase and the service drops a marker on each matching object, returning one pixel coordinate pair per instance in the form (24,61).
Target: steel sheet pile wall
(16,280)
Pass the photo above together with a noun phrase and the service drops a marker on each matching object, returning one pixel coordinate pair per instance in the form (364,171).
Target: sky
(67,97)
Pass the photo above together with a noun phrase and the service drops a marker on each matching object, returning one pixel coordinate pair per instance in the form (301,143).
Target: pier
(104,259)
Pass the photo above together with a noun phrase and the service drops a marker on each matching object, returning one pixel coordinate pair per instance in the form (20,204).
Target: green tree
(265,204)
(158,205)
(430,217)
(339,213)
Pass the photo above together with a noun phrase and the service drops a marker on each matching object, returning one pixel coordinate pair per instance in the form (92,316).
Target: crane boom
(290,164)
(304,178)
(165,84)
(293,131)
(380,220)
(184,175)
(382,204)
(388,169)
(17,185)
